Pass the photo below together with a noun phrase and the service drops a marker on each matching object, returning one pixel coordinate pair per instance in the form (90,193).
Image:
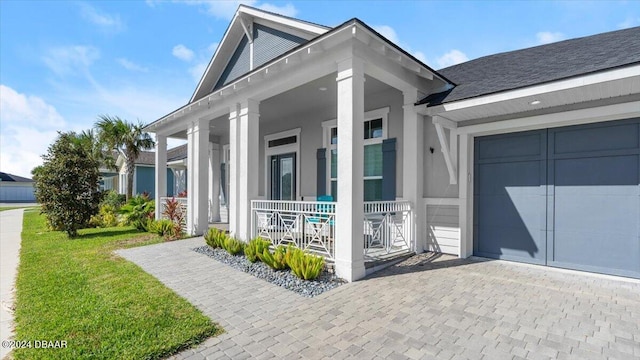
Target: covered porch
(265,149)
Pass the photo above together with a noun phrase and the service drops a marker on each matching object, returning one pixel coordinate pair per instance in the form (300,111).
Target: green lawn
(104,306)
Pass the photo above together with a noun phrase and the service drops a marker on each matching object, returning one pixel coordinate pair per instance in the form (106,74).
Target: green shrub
(233,246)
(215,238)
(275,260)
(113,199)
(144,224)
(304,265)
(138,211)
(210,238)
(164,228)
(261,244)
(250,250)
(106,217)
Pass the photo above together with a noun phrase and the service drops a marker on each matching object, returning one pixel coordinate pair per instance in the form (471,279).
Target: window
(375,131)
(283,141)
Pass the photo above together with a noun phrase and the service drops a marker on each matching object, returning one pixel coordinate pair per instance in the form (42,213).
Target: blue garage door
(566,197)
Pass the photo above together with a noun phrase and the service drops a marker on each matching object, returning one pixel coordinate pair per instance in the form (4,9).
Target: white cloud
(450,58)
(182,52)
(70,59)
(130,65)
(28,125)
(16,108)
(546,37)
(629,22)
(104,21)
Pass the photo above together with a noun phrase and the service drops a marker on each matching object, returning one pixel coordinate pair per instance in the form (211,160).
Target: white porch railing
(309,225)
(387,227)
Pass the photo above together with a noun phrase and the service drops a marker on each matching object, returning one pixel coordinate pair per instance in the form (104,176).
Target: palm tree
(89,140)
(127,138)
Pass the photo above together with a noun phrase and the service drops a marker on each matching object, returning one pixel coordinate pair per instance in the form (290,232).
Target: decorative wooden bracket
(449,147)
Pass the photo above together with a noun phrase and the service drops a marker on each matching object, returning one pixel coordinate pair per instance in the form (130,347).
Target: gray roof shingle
(13,178)
(177,153)
(540,64)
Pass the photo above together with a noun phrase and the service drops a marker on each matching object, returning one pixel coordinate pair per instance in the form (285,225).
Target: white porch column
(161,172)
(248,164)
(349,243)
(413,166)
(198,177)
(234,151)
(465,183)
(214,182)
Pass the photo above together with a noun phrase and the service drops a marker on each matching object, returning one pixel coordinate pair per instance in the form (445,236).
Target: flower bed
(284,278)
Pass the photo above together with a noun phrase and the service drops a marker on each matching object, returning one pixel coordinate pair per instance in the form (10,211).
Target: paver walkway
(426,307)
(10,229)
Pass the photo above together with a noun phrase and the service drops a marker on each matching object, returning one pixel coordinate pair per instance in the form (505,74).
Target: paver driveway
(426,307)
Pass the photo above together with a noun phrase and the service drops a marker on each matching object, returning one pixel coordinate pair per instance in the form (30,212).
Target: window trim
(381,113)
(279,150)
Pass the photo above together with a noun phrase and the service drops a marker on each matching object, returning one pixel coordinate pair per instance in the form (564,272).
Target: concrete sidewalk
(10,229)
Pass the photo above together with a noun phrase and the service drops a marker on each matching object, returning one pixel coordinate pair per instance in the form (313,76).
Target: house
(144,173)
(341,142)
(18,189)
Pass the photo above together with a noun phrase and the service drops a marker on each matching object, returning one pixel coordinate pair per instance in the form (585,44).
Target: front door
(283,177)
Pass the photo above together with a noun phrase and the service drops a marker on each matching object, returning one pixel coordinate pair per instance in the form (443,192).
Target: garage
(16,189)
(566,197)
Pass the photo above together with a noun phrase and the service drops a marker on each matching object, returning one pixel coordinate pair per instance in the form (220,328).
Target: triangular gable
(253,38)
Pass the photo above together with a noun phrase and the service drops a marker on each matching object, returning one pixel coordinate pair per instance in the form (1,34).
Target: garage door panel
(596,213)
(602,172)
(521,145)
(596,138)
(503,178)
(510,221)
(615,250)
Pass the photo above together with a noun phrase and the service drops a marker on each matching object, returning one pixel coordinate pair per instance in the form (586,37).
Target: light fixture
(322,88)
(535,102)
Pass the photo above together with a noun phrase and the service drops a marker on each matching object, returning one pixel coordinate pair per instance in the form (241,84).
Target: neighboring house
(16,189)
(343,143)
(144,173)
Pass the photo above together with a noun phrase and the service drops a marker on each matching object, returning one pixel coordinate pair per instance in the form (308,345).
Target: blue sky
(62,63)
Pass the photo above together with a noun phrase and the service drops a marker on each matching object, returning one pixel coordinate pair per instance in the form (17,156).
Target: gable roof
(539,65)
(240,26)
(13,178)
(417,66)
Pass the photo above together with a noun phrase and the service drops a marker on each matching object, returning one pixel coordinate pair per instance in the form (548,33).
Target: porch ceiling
(309,96)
